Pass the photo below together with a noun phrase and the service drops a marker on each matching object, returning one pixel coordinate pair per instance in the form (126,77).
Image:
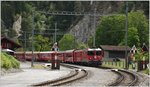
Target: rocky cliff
(85,27)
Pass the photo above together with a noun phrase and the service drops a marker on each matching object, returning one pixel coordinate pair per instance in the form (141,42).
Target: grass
(38,66)
(8,61)
(111,64)
(146,71)
(121,65)
(117,64)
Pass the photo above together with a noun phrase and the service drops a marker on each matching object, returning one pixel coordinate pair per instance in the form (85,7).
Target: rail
(76,75)
(122,77)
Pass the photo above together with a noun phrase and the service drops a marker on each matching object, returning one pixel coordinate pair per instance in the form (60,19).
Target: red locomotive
(87,56)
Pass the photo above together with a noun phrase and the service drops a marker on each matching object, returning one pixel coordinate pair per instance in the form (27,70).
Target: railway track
(125,78)
(76,74)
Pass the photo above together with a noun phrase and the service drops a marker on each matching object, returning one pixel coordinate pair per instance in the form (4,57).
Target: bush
(146,71)
(8,61)
(140,56)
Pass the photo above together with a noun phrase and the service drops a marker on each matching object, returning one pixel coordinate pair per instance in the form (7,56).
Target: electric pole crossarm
(46,33)
(75,13)
(48,29)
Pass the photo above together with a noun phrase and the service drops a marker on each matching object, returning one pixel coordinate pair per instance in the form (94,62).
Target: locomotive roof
(98,49)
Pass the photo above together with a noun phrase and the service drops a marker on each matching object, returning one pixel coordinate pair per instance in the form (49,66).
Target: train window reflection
(90,53)
(98,52)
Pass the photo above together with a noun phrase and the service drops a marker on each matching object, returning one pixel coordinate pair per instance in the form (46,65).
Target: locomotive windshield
(90,52)
(98,52)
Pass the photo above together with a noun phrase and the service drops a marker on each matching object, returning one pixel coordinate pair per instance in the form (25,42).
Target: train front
(95,56)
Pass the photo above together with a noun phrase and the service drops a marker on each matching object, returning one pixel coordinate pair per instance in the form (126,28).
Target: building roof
(114,48)
(7,50)
(11,41)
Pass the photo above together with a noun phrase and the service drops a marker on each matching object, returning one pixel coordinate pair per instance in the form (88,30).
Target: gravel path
(96,78)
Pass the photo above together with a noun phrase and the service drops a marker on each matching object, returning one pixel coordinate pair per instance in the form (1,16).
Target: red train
(87,56)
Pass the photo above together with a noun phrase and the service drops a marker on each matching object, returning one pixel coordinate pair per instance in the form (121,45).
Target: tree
(82,46)
(139,21)
(90,41)
(67,42)
(111,30)
(140,56)
(42,43)
(133,38)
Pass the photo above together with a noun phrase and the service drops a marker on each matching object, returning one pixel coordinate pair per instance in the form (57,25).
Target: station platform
(31,76)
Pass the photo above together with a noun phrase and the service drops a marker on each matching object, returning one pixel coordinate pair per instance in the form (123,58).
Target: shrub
(8,61)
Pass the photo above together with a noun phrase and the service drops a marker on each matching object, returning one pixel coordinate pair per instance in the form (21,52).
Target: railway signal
(55,61)
(133,50)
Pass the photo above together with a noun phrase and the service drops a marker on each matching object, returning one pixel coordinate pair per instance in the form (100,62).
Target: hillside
(17,19)
(84,29)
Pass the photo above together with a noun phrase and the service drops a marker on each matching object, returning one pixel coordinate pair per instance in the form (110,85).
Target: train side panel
(45,56)
(19,55)
(68,55)
(60,56)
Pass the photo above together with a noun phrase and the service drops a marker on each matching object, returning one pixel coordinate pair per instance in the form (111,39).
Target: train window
(98,52)
(90,53)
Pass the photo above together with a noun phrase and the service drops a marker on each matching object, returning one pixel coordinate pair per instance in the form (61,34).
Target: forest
(109,30)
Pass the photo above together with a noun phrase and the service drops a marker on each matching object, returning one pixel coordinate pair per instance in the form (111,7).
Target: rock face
(85,27)
(17,26)
(83,30)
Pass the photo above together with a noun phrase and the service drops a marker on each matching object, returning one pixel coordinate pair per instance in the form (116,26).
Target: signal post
(55,61)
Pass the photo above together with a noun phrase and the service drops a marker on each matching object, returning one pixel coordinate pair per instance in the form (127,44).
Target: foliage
(146,71)
(43,21)
(132,37)
(82,46)
(90,41)
(67,42)
(107,32)
(111,29)
(41,43)
(141,56)
(9,61)
(138,20)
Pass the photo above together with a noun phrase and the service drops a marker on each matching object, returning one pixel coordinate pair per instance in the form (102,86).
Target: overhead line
(76,13)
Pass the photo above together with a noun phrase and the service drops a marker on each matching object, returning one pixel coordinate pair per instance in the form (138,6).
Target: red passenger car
(79,56)
(87,56)
(68,56)
(45,56)
(19,55)
(60,56)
